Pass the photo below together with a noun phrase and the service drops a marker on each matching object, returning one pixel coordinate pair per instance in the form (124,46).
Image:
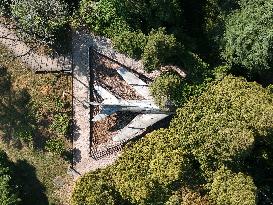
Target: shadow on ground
(30,188)
(17,116)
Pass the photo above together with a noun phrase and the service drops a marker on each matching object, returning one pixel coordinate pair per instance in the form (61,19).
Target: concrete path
(83,162)
(86,158)
(37,62)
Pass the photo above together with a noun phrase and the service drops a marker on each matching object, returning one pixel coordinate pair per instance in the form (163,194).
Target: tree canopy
(221,127)
(41,19)
(248,36)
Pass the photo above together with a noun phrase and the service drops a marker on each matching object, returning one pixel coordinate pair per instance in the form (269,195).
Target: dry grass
(42,174)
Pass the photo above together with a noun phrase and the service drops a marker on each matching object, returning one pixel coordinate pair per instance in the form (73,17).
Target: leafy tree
(161,49)
(40,18)
(102,18)
(165,90)
(220,126)
(171,91)
(94,189)
(146,15)
(146,170)
(215,16)
(230,188)
(8,194)
(248,38)
(131,43)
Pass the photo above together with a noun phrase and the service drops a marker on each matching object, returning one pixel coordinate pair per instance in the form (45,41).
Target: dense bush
(40,18)
(94,189)
(161,49)
(226,118)
(55,146)
(248,38)
(146,170)
(131,43)
(230,188)
(101,17)
(146,15)
(4,7)
(60,123)
(8,194)
(166,90)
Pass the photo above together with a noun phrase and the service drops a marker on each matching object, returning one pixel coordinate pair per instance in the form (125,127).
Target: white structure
(149,112)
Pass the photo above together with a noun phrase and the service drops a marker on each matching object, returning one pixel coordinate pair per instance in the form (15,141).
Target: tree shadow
(76,156)
(30,188)
(17,116)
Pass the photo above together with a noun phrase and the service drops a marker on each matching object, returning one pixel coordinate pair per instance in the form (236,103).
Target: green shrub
(221,71)
(55,146)
(186,196)
(248,37)
(4,7)
(60,123)
(148,14)
(94,188)
(161,49)
(40,18)
(8,194)
(166,90)
(101,17)
(59,104)
(145,171)
(230,188)
(220,125)
(130,43)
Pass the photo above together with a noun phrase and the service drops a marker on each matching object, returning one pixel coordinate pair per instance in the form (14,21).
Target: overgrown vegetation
(248,38)
(218,147)
(41,19)
(209,132)
(8,191)
(29,129)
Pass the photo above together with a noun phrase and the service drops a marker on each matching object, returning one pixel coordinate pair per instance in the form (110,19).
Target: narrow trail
(37,62)
(83,162)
